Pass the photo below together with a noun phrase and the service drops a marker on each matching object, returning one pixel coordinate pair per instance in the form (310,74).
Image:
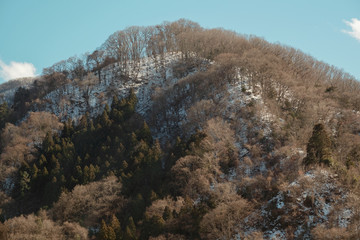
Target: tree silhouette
(319,147)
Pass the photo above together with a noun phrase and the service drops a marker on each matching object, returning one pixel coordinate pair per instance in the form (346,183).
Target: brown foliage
(89,203)
(3,231)
(169,236)
(41,227)
(322,233)
(194,173)
(225,220)
(158,206)
(19,142)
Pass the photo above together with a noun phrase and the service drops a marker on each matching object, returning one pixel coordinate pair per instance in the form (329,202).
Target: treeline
(274,67)
(284,74)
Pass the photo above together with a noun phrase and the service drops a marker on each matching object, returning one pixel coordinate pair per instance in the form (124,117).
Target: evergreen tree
(83,124)
(111,233)
(132,99)
(105,120)
(152,226)
(24,182)
(156,151)
(115,224)
(48,143)
(55,165)
(92,173)
(319,147)
(68,129)
(45,172)
(133,140)
(130,230)
(4,114)
(124,165)
(353,158)
(107,109)
(86,175)
(145,134)
(129,235)
(91,127)
(129,104)
(34,171)
(115,103)
(103,232)
(42,160)
(167,214)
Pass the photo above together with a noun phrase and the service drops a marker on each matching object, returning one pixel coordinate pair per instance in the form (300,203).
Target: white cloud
(16,70)
(355,28)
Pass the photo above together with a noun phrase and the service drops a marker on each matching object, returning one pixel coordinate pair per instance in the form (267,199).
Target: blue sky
(37,33)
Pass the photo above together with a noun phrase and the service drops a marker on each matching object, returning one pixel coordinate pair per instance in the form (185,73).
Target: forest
(241,139)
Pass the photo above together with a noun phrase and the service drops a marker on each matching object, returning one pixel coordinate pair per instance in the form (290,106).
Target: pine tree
(156,151)
(115,224)
(107,109)
(153,196)
(34,171)
(24,182)
(55,165)
(145,134)
(48,143)
(111,233)
(129,235)
(319,147)
(115,103)
(45,172)
(104,119)
(92,173)
(179,149)
(86,174)
(152,226)
(130,230)
(133,140)
(42,160)
(167,214)
(132,99)
(83,124)
(91,127)
(353,158)
(130,103)
(103,233)
(68,129)
(4,114)
(124,165)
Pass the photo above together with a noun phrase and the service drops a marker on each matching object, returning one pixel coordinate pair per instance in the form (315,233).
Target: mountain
(7,89)
(179,132)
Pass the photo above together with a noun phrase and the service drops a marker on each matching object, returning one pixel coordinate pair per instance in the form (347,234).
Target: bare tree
(95,62)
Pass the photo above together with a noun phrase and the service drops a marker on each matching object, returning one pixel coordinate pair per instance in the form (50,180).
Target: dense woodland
(217,173)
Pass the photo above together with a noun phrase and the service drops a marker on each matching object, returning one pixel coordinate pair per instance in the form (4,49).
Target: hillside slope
(180,132)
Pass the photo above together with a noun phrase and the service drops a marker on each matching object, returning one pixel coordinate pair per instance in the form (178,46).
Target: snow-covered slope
(75,99)
(8,89)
